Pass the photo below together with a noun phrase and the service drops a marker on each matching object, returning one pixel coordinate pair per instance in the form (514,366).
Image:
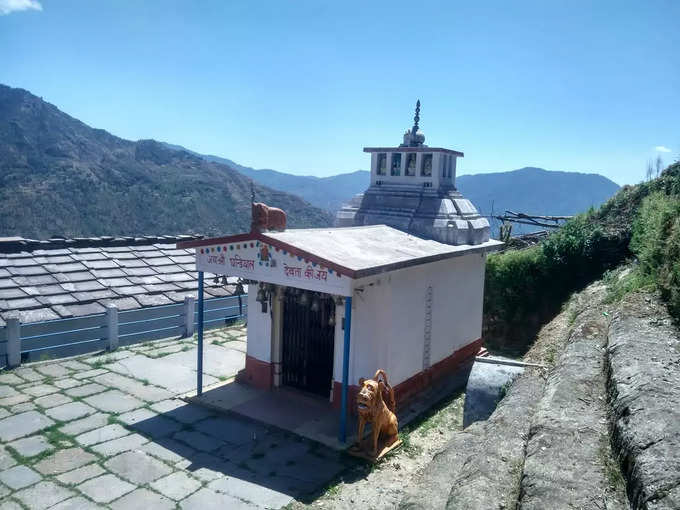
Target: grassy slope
(525,288)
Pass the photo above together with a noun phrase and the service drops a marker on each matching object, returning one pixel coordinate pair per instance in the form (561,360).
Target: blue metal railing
(75,335)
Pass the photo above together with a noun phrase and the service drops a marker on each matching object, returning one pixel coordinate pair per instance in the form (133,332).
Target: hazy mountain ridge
(59,176)
(530,190)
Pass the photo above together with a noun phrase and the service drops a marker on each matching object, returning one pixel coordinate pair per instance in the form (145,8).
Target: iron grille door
(307,345)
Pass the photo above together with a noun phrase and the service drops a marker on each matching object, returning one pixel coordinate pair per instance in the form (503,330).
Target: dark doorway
(308,338)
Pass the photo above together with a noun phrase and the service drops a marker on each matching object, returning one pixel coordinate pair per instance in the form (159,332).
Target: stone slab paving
(43,495)
(23,424)
(143,499)
(123,444)
(70,411)
(109,431)
(31,446)
(113,431)
(114,401)
(79,475)
(105,488)
(52,400)
(19,477)
(85,390)
(137,467)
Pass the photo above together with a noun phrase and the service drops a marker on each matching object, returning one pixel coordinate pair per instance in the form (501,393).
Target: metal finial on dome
(416,119)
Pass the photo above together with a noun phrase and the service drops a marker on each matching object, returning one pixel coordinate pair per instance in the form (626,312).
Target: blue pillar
(345,370)
(199,364)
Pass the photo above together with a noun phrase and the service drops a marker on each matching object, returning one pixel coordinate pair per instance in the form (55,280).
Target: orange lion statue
(267,218)
(372,409)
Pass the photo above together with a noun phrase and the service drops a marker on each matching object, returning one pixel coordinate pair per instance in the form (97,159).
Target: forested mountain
(59,176)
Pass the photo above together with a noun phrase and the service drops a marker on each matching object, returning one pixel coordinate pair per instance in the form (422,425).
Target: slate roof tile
(176,277)
(127,303)
(37,315)
(61,259)
(10,293)
(57,299)
(94,295)
(22,303)
(175,253)
(48,290)
(28,261)
(122,256)
(160,287)
(108,273)
(100,264)
(192,284)
(78,276)
(116,249)
(89,256)
(132,263)
(153,299)
(7,283)
(28,270)
(184,259)
(87,309)
(160,261)
(130,291)
(3,272)
(43,279)
(65,268)
(52,253)
(115,282)
(179,296)
(139,271)
(145,280)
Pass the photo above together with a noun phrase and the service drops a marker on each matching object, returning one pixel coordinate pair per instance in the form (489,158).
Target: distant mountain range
(328,193)
(528,190)
(61,177)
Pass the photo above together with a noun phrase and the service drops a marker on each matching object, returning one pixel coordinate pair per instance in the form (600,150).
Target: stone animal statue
(372,409)
(267,218)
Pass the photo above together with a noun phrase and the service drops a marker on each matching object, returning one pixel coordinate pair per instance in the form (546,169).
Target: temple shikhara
(413,189)
(399,287)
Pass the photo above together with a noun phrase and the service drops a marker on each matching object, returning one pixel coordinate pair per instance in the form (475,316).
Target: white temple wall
(259,343)
(388,318)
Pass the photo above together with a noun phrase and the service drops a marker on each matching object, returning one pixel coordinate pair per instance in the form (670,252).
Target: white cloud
(8,6)
(661,148)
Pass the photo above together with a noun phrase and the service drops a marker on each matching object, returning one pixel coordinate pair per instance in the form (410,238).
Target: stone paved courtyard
(108,431)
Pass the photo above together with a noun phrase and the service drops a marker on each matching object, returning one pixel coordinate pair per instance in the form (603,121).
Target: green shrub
(656,244)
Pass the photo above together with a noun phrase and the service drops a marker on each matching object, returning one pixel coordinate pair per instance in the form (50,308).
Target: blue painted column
(345,370)
(199,364)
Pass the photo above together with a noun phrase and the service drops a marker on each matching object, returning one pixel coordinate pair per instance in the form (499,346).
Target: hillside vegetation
(524,288)
(59,176)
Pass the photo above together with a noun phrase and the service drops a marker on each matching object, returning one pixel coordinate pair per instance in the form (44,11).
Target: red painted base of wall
(257,373)
(406,390)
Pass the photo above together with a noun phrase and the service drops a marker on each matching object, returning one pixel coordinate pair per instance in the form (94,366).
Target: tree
(659,165)
(650,170)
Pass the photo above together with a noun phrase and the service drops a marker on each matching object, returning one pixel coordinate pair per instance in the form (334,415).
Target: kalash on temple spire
(413,189)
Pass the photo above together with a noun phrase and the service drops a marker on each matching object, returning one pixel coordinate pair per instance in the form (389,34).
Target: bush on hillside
(656,244)
(525,287)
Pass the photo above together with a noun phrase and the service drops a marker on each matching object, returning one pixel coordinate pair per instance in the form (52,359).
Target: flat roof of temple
(423,148)
(357,251)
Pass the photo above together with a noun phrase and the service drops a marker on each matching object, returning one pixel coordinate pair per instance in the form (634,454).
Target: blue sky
(302,86)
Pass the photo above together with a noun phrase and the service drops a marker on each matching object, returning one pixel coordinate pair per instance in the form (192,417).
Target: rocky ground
(644,389)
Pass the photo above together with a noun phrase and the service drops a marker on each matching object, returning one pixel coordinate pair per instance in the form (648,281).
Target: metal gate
(308,338)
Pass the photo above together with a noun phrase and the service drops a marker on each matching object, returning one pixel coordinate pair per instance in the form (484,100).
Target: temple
(413,189)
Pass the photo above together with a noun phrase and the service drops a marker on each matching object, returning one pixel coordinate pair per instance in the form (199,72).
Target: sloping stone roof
(60,278)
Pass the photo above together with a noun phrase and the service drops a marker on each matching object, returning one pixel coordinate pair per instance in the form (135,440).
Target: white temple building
(413,189)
